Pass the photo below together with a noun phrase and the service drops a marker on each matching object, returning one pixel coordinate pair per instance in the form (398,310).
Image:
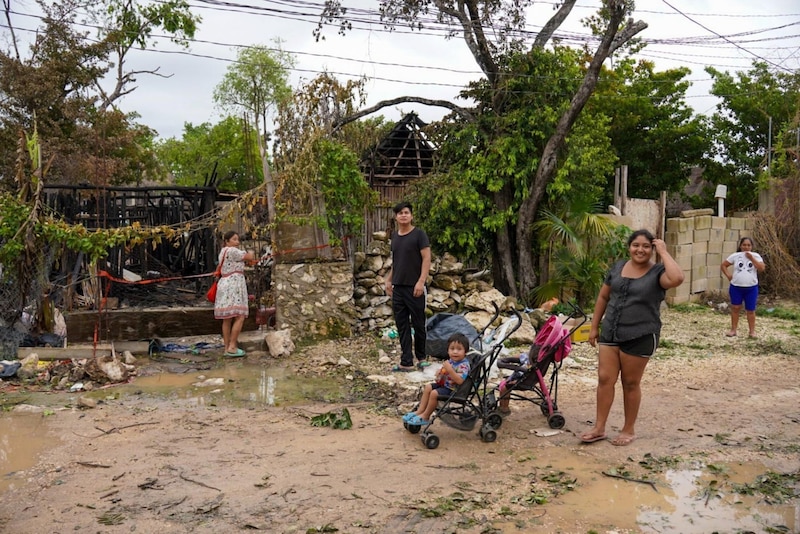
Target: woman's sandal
(589,438)
(238,354)
(621,441)
(402,369)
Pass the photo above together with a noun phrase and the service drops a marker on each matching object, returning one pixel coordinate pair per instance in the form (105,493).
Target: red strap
(218,272)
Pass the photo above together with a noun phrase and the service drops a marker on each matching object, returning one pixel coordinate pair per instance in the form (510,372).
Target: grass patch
(688,307)
(774,488)
(666,344)
(790,314)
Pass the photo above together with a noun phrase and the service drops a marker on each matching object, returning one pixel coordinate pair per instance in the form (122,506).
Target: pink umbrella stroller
(529,382)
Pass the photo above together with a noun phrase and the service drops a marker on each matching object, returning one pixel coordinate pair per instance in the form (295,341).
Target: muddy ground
(190,459)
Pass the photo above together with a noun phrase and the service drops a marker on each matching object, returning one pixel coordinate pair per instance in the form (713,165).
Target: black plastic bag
(443,325)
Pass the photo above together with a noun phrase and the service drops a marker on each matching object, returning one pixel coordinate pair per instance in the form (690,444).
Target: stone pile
(451,289)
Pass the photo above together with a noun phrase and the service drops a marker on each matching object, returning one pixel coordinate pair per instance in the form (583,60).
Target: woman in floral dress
(231,305)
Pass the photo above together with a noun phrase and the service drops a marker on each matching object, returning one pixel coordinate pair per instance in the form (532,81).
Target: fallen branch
(90,464)
(198,482)
(174,503)
(118,428)
(629,479)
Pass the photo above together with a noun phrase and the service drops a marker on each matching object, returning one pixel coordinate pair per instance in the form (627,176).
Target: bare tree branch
(627,33)
(470,19)
(7,10)
(553,24)
(465,113)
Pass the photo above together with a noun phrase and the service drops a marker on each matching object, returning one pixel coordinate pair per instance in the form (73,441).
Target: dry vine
(783,271)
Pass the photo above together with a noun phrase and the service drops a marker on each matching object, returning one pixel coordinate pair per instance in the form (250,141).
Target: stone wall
(700,242)
(334,299)
(315,299)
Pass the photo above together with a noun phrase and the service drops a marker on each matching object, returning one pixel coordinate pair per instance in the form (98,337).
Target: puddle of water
(22,439)
(234,385)
(701,501)
(602,503)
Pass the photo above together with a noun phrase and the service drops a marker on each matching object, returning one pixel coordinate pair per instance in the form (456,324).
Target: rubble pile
(74,375)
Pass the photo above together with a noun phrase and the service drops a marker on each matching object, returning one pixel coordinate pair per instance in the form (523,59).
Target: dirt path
(145,464)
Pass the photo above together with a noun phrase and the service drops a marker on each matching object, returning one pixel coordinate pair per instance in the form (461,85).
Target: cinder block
(699,247)
(715,247)
(679,238)
(680,291)
(714,284)
(718,223)
(698,260)
(696,298)
(713,261)
(699,271)
(702,222)
(717,234)
(685,262)
(732,235)
(728,248)
(702,235)
(680,251)
(737,223)
(677,224)
(699,285)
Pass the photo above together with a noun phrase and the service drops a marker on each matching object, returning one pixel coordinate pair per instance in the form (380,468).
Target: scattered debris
(336,419)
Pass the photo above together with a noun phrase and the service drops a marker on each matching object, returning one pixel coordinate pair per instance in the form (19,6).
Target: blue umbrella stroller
(469,402)
(529,381)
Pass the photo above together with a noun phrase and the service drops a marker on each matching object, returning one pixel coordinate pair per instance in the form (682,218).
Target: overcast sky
(727,34)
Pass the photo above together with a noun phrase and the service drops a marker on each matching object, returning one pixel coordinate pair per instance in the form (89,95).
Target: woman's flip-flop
(401,369)
(621,441)
(238,354)
(592,439)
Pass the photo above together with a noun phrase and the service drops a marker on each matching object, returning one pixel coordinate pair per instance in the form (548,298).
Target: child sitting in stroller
(449,377)
(522,363)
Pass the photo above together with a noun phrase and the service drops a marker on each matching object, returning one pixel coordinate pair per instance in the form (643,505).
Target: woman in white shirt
(744,283)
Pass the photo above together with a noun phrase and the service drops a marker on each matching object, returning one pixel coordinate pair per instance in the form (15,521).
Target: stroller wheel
(556,420)
(545,411)
(495,420)
(414,429)
(488,435)
(430,440)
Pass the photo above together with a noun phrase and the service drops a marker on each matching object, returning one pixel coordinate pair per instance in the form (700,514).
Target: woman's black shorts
(641,346)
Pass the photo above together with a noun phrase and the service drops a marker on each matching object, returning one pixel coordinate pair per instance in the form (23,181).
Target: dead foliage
(773,237)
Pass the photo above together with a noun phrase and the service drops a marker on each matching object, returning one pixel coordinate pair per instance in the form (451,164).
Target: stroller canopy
(553,336)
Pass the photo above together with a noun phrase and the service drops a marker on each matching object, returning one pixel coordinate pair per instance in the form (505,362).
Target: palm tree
(576,245)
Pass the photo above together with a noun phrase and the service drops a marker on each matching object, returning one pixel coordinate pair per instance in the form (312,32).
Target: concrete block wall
(700,242)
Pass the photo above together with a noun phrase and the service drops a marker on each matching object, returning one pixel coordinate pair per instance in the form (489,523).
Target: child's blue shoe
(418,421)
(407,417)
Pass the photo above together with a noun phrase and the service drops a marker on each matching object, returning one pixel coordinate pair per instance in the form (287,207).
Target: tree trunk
(548,164)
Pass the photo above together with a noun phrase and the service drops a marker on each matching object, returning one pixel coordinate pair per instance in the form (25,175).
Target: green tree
(256,84)
(227,148)
(514,262)
(128,24)
(741,126)
(57,87)
(487,165)
(652,129)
